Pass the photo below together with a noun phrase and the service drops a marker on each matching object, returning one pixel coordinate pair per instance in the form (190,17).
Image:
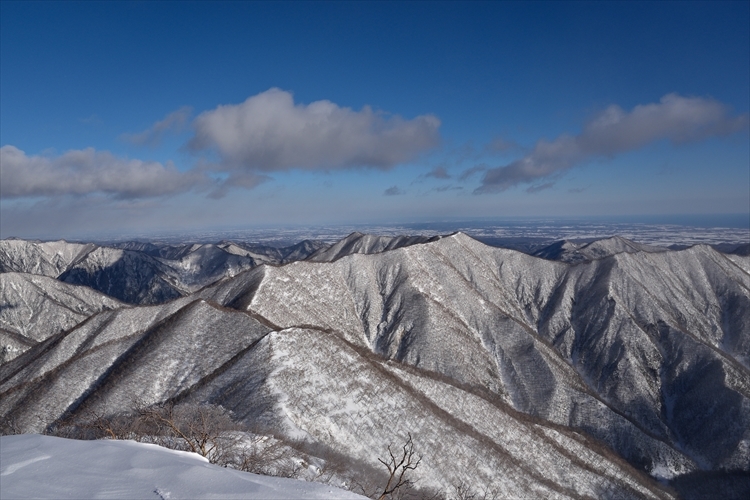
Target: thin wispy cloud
(91,120)
(539,187)
(237,179)
(501,145)
(615,131)
(469,172)
(438,172)
(393,191)
(450,187)
(269,132)
(87,171)
(174,122)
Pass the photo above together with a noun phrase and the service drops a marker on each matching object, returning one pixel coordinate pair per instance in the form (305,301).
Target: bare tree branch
(399,467)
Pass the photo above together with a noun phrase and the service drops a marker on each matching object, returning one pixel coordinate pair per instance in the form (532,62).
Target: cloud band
(82,172)
(614,131)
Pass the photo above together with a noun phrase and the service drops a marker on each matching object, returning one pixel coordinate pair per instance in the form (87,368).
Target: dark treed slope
(260,254)
(132,277)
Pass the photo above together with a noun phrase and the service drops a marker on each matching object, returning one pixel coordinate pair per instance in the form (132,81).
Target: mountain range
(610,369)
(143,273)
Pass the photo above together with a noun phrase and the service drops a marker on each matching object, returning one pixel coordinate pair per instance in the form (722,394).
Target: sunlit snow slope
(33,307)
(34,466)
(142,273)
(649,352)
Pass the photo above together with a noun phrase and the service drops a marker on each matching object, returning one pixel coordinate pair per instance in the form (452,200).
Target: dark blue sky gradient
(79,75)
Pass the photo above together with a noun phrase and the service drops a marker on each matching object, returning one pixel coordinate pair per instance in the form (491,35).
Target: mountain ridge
(518,314)
(646,352)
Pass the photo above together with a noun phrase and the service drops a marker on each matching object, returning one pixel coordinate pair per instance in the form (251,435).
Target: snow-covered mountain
(33,308)
(568,251)
(140,272)
(615,348)
(50,258)
(529,376)
(306,382)
(358,243)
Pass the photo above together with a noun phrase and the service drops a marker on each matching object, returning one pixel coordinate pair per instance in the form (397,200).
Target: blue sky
(146,116)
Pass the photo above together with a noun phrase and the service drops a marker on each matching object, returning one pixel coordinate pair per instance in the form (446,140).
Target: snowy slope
(146,353)
(573,253)
(141,272)
(635,348)
(34,466)
(355,403)
(358,243)
(307,383)
(50,258)
(33,307)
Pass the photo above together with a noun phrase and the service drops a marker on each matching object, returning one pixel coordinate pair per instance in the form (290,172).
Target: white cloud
(266,133)
(152,136)
(82,172)
(269,132)
(613,131)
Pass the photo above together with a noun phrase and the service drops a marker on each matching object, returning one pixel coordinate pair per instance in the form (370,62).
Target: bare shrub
(92,424)
(398,467)
(206,429)
(398,484)
(268,456)
(211,431)
(9,427)
(463,491)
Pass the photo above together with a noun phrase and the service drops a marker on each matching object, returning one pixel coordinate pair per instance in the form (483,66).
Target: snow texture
(34,466)
(143,273)
(33,308)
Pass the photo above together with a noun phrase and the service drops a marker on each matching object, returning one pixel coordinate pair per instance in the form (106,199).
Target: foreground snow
(34,466)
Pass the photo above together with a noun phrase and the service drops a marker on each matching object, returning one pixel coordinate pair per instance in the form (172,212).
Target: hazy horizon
(523,233)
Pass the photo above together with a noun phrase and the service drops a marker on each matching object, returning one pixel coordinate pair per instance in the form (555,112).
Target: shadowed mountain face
(131,277)
(492,359)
